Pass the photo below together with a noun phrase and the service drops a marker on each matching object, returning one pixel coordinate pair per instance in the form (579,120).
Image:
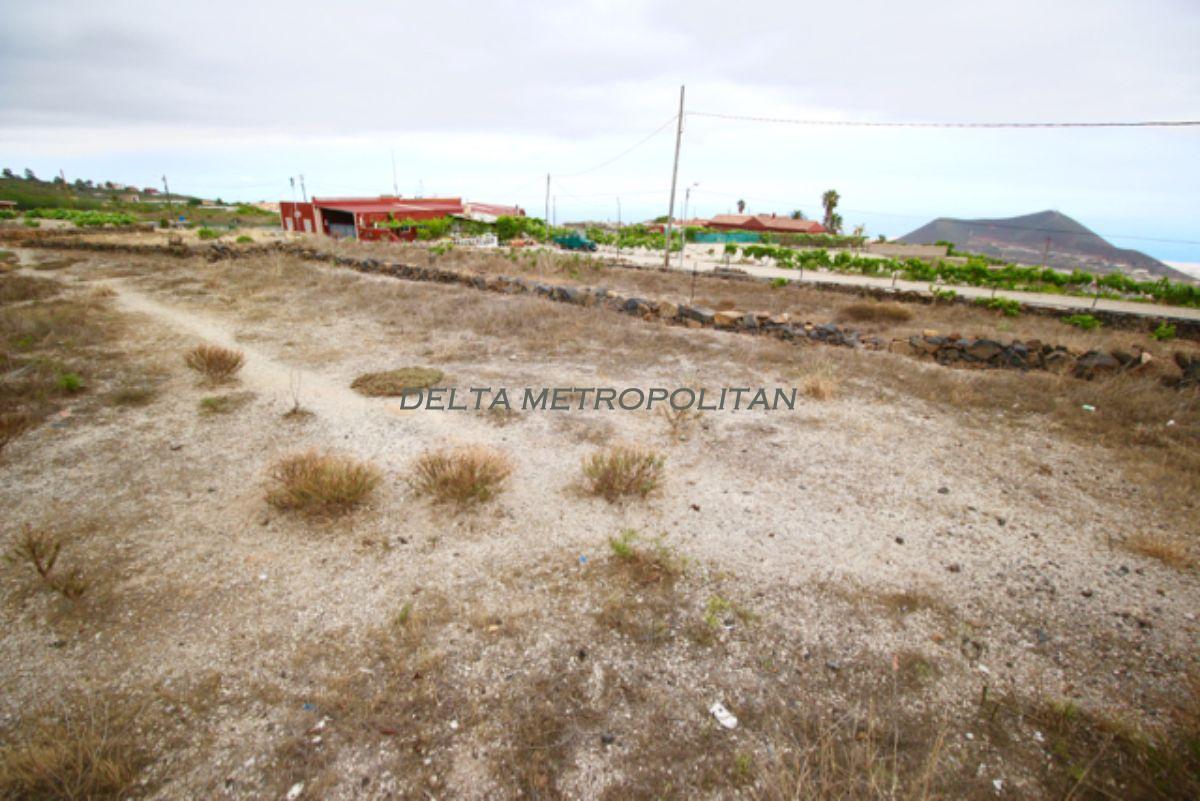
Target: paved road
(697,257)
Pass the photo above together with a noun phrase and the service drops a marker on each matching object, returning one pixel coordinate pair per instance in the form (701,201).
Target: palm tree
(798,215)
(830,200)
(741,207)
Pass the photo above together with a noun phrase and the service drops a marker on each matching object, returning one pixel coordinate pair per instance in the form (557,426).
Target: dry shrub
(821,383)
(875,311)
(12,426)
(90,754)
(1171,551)
(623,470)
(462,476)
(397,382)
(215,363)
(41,549)
(133,394)
(318,483)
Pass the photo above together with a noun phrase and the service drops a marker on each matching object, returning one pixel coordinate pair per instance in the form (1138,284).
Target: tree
(832,221)
(29,176)
(741,207)
(798,215)
(59,180)
(8,173)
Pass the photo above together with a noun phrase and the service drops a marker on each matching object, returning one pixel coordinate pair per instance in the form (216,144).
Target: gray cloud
(574,69)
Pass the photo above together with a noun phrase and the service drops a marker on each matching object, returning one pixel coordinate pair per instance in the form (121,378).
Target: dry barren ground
(920,583)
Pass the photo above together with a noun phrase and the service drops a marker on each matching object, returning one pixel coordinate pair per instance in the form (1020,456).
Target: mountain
(1049,237)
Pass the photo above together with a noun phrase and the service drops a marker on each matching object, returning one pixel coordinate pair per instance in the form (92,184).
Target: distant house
(769,223)
(8,204)
(130,197)
(149,190)
(369,218)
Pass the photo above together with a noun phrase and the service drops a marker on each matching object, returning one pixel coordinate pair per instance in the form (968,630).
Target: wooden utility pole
(547,217)
(674,176)
(167,190)
(303,191)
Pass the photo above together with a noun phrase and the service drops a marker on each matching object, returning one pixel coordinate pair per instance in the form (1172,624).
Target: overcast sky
(483,99)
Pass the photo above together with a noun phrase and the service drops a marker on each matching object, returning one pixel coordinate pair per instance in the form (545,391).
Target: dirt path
(261,373)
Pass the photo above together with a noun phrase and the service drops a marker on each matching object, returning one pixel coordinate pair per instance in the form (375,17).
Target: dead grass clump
(225,404)
(909,602)
(623,470)
(215,363)
(1091,752)
(863,755)
(135,394)
(90,754)
(680,422)
(15,288)
(462,476)
(13,425)
(1171,551)
(318,483)
(821,383)
(40,550)
(876,312)
(396,382)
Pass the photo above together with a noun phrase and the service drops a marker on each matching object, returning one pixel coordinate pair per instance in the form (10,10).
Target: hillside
(1024,240)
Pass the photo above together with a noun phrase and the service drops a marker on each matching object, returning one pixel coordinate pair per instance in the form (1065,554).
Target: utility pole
(292,181)
(618,229)
(167,190)
(547,215)
(674,175)
(687,196)
(395,186)
(303,191)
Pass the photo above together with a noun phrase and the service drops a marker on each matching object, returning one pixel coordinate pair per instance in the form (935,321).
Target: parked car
(575,241)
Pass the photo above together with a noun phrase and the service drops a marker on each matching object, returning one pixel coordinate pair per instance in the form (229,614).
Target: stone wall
(951,351)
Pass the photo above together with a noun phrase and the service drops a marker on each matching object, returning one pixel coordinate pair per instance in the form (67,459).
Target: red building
(366,218)
(765,222)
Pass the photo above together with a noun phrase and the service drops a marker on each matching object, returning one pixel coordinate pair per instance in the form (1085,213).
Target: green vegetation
(1085,321)
(1007,306)
(1163,332)
(244,240)
(84,219)
(948,295)
(979,271)
(208,233)
(70,382)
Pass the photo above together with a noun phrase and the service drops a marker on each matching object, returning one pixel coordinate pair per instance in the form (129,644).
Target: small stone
(899,540)
(833,665)
(943,490)
(1002,521)
(607,738)
(1086,593)
(954,567)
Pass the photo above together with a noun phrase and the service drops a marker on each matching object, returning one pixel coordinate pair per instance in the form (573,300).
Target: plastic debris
(723,715)
(998,784)
(1087,407)
(294,792)
(582,559)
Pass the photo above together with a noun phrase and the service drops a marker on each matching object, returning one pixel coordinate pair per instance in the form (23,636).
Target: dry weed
(90,754)
(215,363)
(462,476)
(316,483)
(397,382)
(40,550)
(1171,551)
(623,470)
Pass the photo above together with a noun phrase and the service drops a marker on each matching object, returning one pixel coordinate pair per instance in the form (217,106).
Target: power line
(623,153)
(866,124)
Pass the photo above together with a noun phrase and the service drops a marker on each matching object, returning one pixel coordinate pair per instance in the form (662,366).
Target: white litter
(295,791)
(454,725)
(998,784)
(723,715)
(1087,407)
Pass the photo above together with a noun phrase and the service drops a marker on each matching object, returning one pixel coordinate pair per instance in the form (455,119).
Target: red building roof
(766,222)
